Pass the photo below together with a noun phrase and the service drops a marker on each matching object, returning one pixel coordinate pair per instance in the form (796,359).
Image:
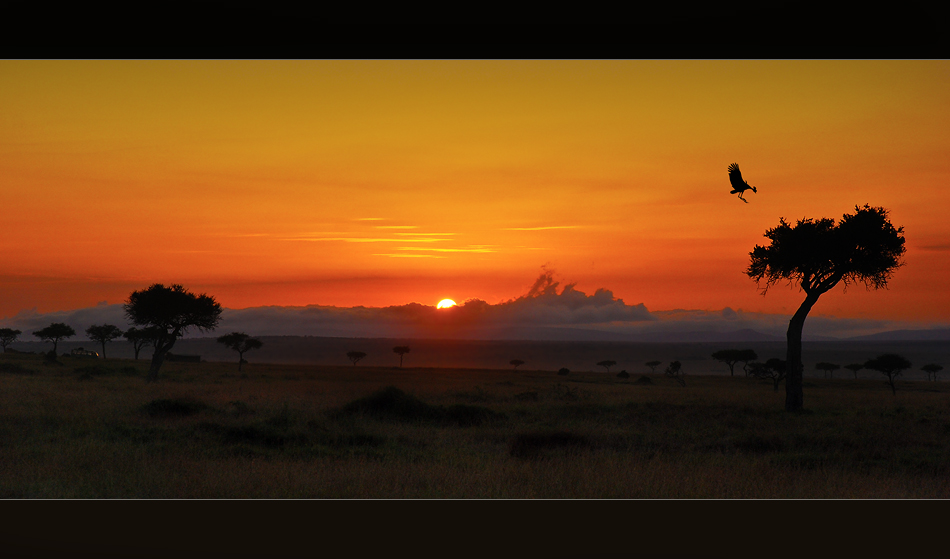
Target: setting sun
(445,303)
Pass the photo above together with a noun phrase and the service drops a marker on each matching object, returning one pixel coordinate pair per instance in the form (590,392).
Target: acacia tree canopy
(355,356)
(172,311)
(140,337)
(863,247)
(241,343)
(54,333)
(892,365)
(103,334)
(8,336)
(732,356)
(401,350)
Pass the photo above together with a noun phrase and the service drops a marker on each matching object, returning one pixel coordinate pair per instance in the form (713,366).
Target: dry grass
(286,431)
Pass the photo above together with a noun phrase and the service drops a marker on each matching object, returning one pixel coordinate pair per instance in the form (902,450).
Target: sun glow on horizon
(445,303)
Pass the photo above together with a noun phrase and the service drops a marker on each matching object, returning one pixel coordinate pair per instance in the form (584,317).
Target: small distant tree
(401,350)
(675,371)
(607,364)
(623,374)
(141,337)
(564,371)
(732,356)
(892,365)
(516,362)
(355,356)
(241,343)
(172,311)
(103,334)
(828,368)
(8,336)
(773,369)
(653,365)
(931,369)
(54,333)
(854,368)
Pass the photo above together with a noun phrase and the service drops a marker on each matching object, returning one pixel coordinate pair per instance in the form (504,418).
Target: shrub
(532,445)
(564,371)
(392,403)
(179,407)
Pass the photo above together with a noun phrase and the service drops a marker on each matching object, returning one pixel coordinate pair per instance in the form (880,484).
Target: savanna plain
(83,428)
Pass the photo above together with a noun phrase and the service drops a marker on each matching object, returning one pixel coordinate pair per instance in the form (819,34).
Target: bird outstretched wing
(735,177)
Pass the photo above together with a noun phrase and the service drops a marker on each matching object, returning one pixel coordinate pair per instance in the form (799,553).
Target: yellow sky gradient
(388,182)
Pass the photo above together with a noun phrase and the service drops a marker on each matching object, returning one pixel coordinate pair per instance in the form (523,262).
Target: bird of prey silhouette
(738,185)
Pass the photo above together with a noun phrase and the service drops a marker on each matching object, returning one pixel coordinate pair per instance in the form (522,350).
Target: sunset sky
(383,183)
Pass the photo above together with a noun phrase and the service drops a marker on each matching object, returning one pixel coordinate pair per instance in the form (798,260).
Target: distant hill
(541,333)
(928,335)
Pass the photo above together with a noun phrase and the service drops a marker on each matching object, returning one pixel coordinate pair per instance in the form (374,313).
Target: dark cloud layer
(545,312)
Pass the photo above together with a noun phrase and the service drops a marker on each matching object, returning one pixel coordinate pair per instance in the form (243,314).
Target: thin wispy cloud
(428,234)
(410,255)
(366,239)
(471,249)
(541,228)
(396,226)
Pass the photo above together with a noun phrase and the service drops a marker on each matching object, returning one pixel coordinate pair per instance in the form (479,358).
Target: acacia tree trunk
(793,356)
(240,360)
(162,346)
(103,351)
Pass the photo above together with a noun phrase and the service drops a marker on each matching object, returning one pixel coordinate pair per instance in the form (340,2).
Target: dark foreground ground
(95,429)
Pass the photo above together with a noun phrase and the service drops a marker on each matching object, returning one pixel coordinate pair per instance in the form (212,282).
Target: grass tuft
(15,368)
(536,444)
(179,407)
(393,404)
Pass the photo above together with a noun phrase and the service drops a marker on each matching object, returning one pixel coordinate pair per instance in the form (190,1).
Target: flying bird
(738,185)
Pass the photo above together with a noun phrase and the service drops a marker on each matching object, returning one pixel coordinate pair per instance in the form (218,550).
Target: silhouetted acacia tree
(355,356)
(892,365)
(817,255)
(828,368)
(54,333)
(607,364)
(8,336)
(732,356)
(675,371)
(140,337)
(773,369)
(103,334)
(854,368)
(653,365)
(931,369)
(241,343)
(516,362)
(171,311)
(401,350)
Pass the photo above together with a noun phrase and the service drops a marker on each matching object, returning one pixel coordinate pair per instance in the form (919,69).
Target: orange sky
(388,182)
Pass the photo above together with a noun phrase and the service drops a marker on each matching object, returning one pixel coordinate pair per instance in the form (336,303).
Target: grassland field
(95,429)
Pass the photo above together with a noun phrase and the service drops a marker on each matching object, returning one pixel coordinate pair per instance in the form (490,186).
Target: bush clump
(178,407)
(643,380)
(393,404)
(564,371)
(15,368)
(533,445)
